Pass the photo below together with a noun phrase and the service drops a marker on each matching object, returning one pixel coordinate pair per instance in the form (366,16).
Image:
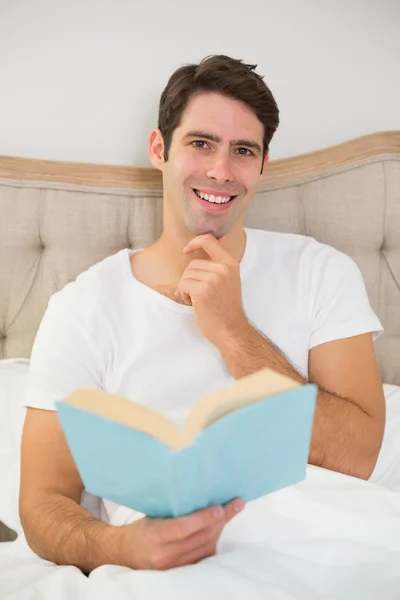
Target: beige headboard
(57,219)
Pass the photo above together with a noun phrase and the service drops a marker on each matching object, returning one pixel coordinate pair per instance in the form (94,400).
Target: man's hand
(213,287)
(167,543)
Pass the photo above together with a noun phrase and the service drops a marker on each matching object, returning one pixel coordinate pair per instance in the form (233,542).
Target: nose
(220,168)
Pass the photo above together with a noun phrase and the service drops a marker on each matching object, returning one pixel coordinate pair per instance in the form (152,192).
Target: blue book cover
(246,440)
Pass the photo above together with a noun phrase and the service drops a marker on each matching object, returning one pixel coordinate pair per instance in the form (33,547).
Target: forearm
(342,431)
(61,531)
(342,436)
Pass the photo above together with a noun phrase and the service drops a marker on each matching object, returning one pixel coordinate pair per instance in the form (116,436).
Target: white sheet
(331,536)
(387,469)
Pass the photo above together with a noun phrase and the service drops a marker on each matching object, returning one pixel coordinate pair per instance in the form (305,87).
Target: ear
(156,149)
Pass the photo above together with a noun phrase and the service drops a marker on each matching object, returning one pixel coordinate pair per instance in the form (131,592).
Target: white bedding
(331,537)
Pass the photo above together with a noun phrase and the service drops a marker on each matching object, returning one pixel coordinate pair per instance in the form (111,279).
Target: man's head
(216,120)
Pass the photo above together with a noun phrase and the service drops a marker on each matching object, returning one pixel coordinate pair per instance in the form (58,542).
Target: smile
(213,198)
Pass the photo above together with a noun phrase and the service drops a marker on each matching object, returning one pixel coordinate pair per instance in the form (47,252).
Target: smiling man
(207,302)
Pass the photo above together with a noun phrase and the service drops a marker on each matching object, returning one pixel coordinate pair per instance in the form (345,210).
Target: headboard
(57,219)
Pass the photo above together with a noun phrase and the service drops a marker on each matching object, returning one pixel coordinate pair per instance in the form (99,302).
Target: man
(207,302)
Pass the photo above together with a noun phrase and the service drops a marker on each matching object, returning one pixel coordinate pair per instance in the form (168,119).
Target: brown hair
(217,73)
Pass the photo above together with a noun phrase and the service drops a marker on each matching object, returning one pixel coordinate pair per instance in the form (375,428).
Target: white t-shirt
(108,330)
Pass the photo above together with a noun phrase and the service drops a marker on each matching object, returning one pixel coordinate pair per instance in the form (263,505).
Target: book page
(126,412)
(241,392)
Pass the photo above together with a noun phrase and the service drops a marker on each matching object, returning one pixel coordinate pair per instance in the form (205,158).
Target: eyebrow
(217,139)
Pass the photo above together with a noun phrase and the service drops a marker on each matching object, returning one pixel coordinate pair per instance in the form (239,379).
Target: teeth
(212,198)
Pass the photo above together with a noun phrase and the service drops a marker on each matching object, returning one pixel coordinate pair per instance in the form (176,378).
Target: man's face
(213,166)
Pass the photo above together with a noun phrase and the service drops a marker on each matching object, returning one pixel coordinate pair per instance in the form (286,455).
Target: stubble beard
(217,225)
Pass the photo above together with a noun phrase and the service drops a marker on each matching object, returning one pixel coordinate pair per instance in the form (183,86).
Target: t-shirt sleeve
(339,306)
(64,358)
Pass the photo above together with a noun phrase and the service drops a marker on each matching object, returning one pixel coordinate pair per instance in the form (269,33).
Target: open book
(245,440)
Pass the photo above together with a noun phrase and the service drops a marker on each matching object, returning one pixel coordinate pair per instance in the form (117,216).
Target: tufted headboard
(57,219)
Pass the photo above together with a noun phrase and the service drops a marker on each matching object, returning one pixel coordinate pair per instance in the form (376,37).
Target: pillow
(387,468)
(13,383)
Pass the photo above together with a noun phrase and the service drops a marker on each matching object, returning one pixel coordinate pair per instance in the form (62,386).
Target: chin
(217,232)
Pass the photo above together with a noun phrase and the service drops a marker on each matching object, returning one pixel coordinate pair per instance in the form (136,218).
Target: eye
(198,144)
(250,153)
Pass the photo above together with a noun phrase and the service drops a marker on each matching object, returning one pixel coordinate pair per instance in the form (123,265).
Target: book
(247,439)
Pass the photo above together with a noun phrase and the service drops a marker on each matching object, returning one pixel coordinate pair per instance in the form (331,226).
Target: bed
(57,219)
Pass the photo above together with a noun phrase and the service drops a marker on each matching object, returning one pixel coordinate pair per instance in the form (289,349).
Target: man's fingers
(211,245)
(190,558)
(199,275)
(187,287)
(191,538)
(202,543)
(207,265)
(233,508)
(190,281)
(171,559)
(207,536)
(183,527)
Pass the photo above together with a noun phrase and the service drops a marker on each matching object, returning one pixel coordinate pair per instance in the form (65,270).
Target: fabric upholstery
(58,219)
(50,232)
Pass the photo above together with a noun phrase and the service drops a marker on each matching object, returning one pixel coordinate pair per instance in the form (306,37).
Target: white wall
(80,79)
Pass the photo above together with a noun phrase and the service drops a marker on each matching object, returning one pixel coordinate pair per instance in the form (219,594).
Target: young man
(207,302)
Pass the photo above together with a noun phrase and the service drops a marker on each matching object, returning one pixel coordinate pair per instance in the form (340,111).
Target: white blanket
(331,537)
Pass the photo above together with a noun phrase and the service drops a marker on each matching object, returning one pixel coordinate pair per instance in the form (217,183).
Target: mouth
(214,203)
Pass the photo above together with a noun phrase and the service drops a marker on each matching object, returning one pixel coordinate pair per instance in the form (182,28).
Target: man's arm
(350,411)
(56,527)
